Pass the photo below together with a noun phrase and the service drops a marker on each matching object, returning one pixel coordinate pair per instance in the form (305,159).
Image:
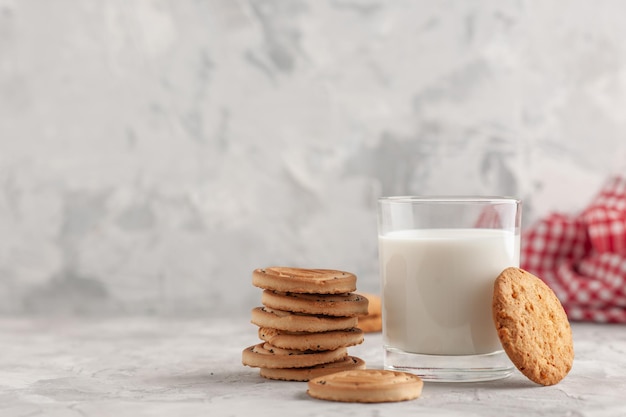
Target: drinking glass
(439,258)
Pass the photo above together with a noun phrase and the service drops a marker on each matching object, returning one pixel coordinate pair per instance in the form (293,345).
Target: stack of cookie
(308,320)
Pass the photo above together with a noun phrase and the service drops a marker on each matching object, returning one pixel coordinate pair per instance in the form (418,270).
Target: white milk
(438,285)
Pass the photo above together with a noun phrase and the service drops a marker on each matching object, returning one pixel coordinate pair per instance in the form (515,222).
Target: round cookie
(285,320)
(374,306)
(265,355)
(344,305)
(373,320)
(371,324)
(311,340)
(532,326)
(306,281)
(366,386)
(306,374)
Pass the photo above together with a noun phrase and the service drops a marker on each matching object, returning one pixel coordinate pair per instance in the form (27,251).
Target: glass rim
(460,199)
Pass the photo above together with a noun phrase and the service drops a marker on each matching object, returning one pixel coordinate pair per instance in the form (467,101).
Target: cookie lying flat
(265,355)
(285,320)
(311,340)
(306,374)
(306,281)
(366,386)
(344,305)
(532,326)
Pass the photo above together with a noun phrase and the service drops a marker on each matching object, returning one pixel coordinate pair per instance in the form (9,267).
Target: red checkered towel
(583,257)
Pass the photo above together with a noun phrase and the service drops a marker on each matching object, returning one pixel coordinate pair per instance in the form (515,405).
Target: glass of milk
(439,258)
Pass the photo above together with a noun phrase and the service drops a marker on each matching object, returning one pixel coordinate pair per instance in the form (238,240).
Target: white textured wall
(152,153)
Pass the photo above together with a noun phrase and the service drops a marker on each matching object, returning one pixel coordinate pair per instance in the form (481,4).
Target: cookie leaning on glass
(532,326)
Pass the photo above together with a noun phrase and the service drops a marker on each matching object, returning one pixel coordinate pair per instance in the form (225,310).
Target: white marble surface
(174,367)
